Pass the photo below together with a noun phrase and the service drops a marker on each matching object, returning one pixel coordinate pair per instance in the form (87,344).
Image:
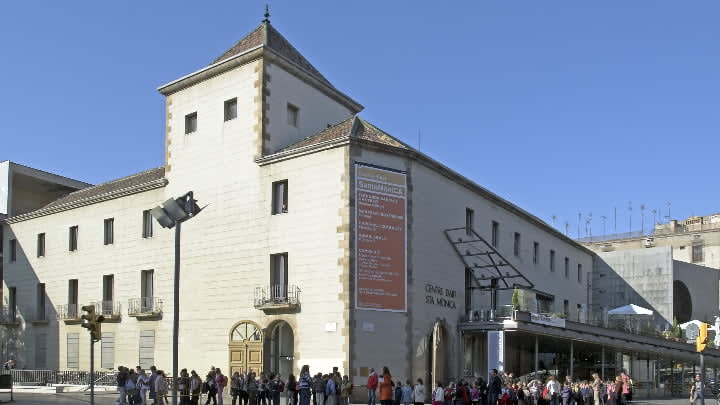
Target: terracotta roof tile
(265,34)
(352,127)
(114,186)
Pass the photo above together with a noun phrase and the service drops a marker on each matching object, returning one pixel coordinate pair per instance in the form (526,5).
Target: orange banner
(380,234)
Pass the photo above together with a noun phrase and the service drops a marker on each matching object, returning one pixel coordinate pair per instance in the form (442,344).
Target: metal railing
(70,377)
(277,294)
(9,316)
(144,306)
(108,308)
(67,311)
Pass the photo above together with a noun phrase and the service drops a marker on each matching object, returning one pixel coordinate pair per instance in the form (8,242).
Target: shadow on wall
(621,279)
(28,321)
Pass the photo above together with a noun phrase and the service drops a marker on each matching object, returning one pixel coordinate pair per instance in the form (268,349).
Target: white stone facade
(232,165)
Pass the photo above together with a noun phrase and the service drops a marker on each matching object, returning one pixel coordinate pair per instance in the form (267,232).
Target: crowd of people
(506,390)
(138,387)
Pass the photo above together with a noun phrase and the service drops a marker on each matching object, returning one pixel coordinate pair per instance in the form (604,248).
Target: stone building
(326,242)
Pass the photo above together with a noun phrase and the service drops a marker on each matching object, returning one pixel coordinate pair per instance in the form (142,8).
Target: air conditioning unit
(649,242)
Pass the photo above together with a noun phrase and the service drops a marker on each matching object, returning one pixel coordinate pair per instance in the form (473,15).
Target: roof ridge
(365,122)
(98,186)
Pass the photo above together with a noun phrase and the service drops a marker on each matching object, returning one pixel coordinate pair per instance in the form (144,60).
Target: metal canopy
(490,270)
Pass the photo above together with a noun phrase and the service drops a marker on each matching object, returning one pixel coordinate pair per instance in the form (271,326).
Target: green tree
(516,299)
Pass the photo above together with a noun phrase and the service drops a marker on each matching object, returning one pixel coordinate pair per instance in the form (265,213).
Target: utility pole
(603,217)
(579,220)
(630,214)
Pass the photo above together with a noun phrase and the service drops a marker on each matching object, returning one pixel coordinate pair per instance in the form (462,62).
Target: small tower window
(191,123)
(293,113)
(231,109)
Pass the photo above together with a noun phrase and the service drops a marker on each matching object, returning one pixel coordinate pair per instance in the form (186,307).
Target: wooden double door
(246,348)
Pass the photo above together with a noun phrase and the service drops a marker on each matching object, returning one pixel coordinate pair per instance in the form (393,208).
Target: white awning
(631,309)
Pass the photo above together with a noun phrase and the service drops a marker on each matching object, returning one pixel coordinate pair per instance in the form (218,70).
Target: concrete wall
(704,284)
(642,277)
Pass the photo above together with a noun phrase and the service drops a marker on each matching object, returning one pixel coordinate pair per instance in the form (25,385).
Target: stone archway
(245,347)
(682,302)
(280,348)
(439,347)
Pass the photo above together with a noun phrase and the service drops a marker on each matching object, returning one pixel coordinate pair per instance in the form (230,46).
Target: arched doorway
(682,302)
(439,346)
(280,348)
(245,347)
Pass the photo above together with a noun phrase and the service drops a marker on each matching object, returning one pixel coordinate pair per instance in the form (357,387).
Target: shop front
(658,367)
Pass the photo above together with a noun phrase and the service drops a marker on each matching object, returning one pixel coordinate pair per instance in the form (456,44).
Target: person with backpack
(304,384)
(210,389)
(221,381)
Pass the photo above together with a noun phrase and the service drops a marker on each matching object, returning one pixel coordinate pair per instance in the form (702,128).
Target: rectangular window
(536,252)
(147,349)
(278,275)
(567,268)
(516,245)
(41,351)
(12,303)
(107,351)
(191,123)
(280,197)
(41,302)
(13,250)
(469,221)
(147,303)
(544,304)
(552,260)
(147,226)
(293,114)
(108,286)
(579,273)
(231,109)
(73,295)
(566,308)
(146,283)
(109,233)
(73,238)
(73,350)
(41,245)
(108,294)
(495,233)
(697,253)
(579,312)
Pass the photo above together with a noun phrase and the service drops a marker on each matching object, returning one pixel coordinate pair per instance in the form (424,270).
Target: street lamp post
(172,214)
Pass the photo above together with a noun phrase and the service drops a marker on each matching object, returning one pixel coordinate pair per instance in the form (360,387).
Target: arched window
(246,332)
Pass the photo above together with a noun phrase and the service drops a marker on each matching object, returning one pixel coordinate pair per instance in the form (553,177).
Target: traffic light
(702,338)
(92,322)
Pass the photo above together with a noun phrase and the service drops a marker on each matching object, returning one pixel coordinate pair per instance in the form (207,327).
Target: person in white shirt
(438,395)
(419,392)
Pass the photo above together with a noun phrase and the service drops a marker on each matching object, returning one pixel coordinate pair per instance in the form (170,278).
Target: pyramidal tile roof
(266,35)
(353,127)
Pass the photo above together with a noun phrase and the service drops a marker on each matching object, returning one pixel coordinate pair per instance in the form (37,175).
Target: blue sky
(562,107)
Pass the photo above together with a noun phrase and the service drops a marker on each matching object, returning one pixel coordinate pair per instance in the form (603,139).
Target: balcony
(9,317)
(69,313)
(277,298)
(111,310)
(145,308)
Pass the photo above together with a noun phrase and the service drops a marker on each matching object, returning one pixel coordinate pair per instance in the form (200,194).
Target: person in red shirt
(372,384)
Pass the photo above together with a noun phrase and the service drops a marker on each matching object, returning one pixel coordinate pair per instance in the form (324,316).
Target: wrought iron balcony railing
(109,309)
(68,312)
(277,296)
(145,307)
(9,316)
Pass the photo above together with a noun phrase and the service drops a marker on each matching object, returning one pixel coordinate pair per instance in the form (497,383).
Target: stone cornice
(252,55)
(159,183)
